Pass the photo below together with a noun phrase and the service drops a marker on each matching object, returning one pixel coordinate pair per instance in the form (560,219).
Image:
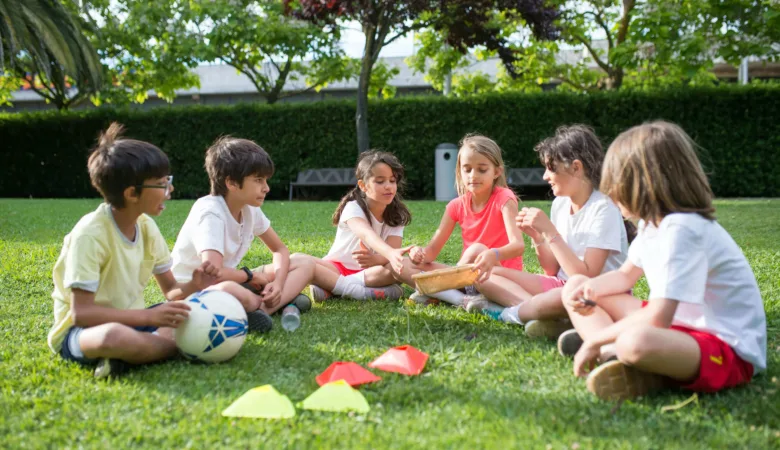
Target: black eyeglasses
(166,186)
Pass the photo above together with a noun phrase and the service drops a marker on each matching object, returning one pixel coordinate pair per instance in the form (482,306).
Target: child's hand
(586,358)
(205,275)
(525,228)
(576,301)
(536,218)
(366,258)
(259,280)
(271,294)
(170,314)
(417,255)
(396,258)
(484,264)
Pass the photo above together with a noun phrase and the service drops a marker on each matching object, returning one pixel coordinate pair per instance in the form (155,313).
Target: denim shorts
(71,350)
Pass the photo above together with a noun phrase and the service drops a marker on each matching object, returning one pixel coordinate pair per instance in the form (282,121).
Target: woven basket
(443,279)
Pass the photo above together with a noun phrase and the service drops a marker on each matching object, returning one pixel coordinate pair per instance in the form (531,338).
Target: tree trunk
(361,112)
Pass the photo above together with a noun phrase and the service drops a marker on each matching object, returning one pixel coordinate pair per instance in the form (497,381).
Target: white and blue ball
(215,329)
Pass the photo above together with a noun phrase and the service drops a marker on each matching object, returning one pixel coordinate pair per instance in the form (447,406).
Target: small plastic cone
(337,396)
(405,360)
(261,402)
(352,373)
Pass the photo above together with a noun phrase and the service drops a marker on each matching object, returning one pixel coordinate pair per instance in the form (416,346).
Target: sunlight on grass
(496,390)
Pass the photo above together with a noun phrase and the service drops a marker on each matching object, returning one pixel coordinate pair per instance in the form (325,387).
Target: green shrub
(738,129)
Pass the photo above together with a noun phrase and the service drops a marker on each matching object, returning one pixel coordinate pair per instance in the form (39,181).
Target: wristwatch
(249,274)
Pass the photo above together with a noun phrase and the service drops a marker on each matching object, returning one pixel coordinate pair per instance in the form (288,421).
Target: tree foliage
(632,44)
(465,23)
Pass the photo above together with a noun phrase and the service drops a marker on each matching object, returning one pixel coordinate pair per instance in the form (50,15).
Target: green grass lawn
(497,389)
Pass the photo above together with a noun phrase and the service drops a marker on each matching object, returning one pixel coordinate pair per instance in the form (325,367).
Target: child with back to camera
(704,326)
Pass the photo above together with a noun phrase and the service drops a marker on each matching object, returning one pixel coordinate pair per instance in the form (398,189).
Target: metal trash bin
(446,158)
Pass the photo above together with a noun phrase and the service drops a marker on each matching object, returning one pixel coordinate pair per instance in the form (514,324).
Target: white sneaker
(509,315)
(422,299)
(475,303)
(319,294)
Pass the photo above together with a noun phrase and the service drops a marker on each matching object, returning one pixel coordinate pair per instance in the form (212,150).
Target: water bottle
(291,318)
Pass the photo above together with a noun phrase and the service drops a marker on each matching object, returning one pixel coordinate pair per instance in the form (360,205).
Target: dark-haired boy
(220,229)
(107,260)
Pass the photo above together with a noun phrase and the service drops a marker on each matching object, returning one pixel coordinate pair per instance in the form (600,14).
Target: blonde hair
(653,171)
(486,147)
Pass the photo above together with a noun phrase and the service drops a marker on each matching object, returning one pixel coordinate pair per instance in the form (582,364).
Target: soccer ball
(215,329)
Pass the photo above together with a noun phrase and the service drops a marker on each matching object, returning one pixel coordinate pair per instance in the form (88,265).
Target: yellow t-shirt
(97,257)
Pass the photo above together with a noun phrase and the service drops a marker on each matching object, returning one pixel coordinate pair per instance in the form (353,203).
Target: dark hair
(396,213)
(572,142)
(578,142)
(118,163)
(234,158)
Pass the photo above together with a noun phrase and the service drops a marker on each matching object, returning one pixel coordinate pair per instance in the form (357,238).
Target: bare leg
(503,291)
(471,253)
(117,341)
(547,305)
(660,350)
(609,311)
(249,300)
(530,282)
(379,276)
(300,274)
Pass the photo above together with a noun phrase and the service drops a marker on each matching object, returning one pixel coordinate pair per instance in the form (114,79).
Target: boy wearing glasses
(107,260)
(221,227)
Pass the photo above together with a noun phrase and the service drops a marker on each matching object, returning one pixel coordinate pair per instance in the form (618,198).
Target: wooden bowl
(443,279)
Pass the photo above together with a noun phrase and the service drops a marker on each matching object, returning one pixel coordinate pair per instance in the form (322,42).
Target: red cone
(350,372)
(405,359)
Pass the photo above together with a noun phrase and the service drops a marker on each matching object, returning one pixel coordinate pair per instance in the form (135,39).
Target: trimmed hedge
(738,129)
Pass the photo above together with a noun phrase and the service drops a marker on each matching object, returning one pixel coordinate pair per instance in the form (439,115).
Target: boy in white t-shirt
(220,229)
(585,233)
(704,327)
(108,258)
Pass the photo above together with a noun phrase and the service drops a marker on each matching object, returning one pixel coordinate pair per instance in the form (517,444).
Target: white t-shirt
(346,241)
(597,225)
(696,262)
(210,226)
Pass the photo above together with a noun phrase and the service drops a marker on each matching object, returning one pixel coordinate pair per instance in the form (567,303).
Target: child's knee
(106,337)
(572,285)
(634,345)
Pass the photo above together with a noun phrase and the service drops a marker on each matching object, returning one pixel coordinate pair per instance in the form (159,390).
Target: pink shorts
(550,282)
(343,270)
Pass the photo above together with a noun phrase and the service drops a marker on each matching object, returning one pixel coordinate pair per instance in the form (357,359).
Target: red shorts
(720,366)
(343,270)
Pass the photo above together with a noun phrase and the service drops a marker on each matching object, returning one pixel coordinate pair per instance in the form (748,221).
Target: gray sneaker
(259,321)
(569,343)
(319,294)
(302,302)
(392,292)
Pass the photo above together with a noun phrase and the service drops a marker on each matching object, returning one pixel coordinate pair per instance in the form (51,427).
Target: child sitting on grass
(485,210)
(107,259)
(370,222)
(220,229)
(704,327)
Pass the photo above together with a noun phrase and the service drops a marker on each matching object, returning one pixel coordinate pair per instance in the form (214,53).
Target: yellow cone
(336,396)
(262,402)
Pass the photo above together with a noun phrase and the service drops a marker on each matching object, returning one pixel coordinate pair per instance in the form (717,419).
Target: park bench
(525,177)
(324,177)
